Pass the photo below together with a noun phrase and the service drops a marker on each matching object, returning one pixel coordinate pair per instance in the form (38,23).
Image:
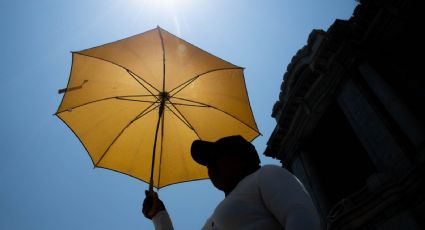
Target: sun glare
(172,10)
(163,4)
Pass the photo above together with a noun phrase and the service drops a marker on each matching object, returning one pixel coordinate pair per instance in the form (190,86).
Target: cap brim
(202,151)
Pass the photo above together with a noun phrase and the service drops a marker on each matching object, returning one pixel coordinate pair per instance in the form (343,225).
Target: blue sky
(47,180)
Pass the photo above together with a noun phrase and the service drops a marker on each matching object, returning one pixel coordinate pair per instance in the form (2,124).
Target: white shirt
(269,198)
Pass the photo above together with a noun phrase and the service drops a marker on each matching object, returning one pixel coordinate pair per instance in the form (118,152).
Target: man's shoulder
(273,168)
(273,171)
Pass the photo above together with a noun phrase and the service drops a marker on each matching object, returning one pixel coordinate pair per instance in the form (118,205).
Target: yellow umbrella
(137,105)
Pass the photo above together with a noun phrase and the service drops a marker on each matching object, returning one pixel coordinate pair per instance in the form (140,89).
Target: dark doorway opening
(341,163)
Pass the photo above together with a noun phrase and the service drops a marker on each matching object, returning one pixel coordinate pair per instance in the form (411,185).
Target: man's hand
(152,204)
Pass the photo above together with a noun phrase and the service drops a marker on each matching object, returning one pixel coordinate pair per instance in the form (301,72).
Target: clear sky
(47,180)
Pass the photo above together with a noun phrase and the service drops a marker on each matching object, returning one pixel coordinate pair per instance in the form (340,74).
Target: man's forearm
(162,221)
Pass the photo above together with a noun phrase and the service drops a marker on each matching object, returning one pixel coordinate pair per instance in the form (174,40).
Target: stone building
(350,119)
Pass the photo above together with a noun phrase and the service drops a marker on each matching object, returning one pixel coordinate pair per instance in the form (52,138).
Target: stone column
(304,169)
(369,126)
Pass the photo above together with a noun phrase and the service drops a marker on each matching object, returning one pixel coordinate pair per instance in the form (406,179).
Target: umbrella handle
(151,185)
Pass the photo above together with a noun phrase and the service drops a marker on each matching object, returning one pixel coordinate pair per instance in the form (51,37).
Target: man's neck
(243,175)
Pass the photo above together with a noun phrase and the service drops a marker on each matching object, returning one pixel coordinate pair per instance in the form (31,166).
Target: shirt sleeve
(208,224)
(286,199)
(162,221)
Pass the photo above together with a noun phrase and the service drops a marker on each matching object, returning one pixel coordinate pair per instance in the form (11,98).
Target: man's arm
(154,209)
(285,197)
(162,221)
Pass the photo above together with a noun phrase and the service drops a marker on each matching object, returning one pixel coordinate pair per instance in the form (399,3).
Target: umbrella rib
(141,114)
(137,95)
(135,76)
(187,83)
(180,118)
(163,59)
(144,113)
(190,105)
(185,121)
(87,103)
(118,66)
(103,99)
(206,105)
(126,99)
(184,85)
(200,104)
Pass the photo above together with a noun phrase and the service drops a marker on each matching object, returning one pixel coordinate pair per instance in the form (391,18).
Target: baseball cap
(205,151)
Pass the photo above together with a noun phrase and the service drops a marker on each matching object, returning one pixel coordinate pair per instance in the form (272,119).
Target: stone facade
(350,119)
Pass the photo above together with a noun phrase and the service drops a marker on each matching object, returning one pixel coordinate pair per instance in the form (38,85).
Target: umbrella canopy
(137,105)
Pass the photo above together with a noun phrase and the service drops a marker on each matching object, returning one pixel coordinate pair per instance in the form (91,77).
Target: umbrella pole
(164,96)
(161,113)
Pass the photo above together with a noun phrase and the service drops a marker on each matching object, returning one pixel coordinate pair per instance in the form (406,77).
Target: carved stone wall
(350,119)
